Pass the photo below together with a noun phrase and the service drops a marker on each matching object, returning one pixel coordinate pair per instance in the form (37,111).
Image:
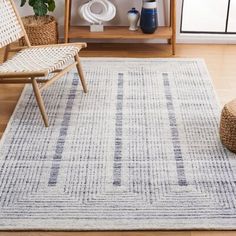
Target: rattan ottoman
(228,126)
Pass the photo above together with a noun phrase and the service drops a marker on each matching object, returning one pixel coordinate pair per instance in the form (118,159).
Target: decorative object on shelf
(149,21)
(41,28)
(108,12)
(228,126)
(133,17)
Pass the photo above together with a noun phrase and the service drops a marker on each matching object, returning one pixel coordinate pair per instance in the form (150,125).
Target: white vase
(133,18)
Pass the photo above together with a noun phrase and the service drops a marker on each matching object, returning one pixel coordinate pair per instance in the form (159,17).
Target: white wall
(121,17)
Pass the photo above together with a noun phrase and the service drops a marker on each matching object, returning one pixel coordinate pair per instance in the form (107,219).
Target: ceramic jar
(149,22)
(133,17)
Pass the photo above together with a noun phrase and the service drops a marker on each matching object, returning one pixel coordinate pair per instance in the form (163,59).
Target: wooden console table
(120,32)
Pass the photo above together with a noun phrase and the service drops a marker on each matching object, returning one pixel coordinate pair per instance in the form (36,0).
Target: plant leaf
(32,2)
(22,3)
(51,5)
(40,8)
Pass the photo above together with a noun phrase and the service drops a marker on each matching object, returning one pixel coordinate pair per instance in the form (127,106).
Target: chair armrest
(17,49)
(80,45)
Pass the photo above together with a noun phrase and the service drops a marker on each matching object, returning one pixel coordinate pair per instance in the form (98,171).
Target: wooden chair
(33,62)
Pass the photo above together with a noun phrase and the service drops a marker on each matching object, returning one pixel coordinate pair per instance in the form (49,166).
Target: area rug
(140,151)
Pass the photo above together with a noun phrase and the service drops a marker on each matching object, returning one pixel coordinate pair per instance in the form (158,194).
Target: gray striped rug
(140,151)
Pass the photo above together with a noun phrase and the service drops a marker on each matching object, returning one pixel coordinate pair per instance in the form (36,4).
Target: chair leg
(5,56)
(81,73)
(40,101)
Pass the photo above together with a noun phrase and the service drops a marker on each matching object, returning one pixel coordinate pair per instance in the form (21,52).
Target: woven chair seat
(39,59)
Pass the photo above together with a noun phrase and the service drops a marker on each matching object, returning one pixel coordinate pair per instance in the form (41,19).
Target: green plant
(40,7)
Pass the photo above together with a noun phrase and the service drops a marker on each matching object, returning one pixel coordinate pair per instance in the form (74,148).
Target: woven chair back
(11,28)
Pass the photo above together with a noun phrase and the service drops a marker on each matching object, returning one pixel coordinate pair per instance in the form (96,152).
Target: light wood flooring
(221,63)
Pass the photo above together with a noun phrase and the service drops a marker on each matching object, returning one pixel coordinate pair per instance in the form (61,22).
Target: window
(209,16)
(232,17)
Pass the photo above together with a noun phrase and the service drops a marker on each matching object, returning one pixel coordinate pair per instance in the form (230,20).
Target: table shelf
(119,32)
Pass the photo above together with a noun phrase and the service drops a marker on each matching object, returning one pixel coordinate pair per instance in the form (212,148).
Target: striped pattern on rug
(140,151)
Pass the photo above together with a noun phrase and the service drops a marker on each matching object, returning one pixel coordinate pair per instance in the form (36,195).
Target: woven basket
(228,126)
(41,31)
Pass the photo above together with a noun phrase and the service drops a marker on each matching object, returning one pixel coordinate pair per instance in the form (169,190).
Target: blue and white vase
(149,22)
(133,17)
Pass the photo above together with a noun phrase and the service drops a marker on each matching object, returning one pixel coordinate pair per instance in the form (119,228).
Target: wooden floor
(221,62)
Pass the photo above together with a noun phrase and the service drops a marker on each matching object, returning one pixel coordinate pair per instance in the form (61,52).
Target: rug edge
(12,116)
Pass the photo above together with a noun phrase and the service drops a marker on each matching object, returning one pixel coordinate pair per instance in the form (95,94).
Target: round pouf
(228,126)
